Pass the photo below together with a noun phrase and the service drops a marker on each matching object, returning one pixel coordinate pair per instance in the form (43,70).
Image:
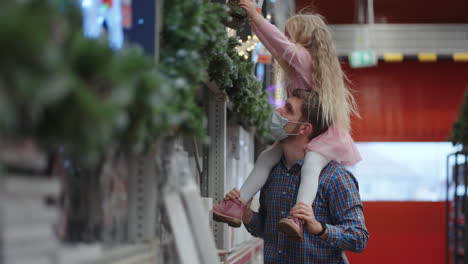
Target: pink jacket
(335,144)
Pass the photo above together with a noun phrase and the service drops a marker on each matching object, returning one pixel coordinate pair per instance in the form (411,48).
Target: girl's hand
(250,7)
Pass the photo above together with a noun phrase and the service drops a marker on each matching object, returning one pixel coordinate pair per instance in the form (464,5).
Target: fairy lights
(247,46)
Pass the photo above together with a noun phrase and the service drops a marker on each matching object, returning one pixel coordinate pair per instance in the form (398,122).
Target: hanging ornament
(106,3)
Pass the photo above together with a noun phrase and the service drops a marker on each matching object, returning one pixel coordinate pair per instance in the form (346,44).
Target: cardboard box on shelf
(239,163)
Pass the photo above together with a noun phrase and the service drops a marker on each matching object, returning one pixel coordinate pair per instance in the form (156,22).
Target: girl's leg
(311,169)
(260,172)
(231,211)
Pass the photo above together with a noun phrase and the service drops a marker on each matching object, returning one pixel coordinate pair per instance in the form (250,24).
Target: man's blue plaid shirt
(337,203)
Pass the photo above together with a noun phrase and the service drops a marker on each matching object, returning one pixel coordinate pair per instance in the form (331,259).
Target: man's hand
(232,195)
(248,213)
(304,211)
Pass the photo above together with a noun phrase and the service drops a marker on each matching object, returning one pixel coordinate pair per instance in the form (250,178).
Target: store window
(402,171)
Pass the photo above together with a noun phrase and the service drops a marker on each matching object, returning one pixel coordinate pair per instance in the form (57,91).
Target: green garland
(64,89)
(234,74)
(238,16)
(195,41)
(190,29)
(460,127)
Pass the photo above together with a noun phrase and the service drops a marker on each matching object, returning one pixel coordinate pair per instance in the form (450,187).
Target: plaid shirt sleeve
(256,225)
(348,232)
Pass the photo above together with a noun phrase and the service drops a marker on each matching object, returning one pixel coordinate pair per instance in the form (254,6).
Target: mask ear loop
(294,122)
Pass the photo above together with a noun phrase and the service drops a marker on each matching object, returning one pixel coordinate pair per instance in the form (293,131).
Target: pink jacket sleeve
(280,47)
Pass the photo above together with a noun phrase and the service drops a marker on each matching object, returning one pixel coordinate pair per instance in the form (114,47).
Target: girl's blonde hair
(311,32)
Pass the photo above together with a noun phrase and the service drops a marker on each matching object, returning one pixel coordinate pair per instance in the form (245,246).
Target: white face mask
(277,123)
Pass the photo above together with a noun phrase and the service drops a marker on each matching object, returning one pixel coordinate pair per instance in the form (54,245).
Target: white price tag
(259,4)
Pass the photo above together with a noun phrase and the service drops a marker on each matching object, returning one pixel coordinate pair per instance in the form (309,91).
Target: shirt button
(282,212)
(279,251)
(284,193)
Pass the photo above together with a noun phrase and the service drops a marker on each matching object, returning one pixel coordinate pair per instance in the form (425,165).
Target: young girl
(307,55)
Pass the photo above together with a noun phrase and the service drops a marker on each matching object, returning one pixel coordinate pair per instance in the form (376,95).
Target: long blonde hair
(337,103)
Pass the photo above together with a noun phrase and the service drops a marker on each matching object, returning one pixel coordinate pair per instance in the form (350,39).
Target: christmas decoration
(235,75)
(65,89)
(98,12)
(107,3)
(238,16)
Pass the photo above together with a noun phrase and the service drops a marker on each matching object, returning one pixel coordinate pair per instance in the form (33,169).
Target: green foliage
(195,42)
(224,63)
(234,74)
(460,127)
(189,31)
(236,10)
(64,89)
(238,16)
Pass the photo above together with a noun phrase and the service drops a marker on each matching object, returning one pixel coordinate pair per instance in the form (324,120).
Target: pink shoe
(293,227)
(229,211)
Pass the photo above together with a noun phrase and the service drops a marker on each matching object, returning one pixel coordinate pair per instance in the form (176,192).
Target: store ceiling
(391,11)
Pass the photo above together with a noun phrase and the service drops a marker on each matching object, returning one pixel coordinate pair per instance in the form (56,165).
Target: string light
(247,46)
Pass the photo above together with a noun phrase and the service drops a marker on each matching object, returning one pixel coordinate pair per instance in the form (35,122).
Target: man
(334,223)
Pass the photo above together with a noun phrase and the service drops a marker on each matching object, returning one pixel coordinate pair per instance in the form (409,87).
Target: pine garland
(64,89)
(193,28)
(190,29)
(238,16)
(234,74)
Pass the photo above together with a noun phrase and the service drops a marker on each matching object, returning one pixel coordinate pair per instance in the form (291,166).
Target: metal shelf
(132,254)
(243,253)
(456,205)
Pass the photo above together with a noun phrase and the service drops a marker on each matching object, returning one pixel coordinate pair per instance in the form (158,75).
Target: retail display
(239,162)
(99,111)
(457,208)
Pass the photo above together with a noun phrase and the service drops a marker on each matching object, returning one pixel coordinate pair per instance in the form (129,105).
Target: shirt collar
(298,163)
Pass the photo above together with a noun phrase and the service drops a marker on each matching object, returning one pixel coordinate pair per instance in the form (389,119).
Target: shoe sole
(231,221)
(290,231)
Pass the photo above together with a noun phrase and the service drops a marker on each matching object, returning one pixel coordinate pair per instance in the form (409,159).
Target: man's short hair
(312,111)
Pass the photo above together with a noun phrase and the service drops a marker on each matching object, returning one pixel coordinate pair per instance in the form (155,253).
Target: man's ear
(307,129)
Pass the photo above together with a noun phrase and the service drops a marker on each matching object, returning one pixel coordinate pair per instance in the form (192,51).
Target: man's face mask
(277,123)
